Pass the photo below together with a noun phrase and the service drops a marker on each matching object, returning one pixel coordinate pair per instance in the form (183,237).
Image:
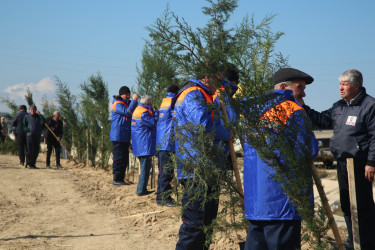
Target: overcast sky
(73,39)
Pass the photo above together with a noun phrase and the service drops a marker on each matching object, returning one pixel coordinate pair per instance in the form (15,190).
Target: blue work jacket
(164,128)
(264,197)
(143,130)
(122,111)
(191,108)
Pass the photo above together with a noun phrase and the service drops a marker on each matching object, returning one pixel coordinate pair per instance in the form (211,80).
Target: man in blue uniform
(193,114)
(353,121)
(166,147)
(274,222)
(143,131)
(122,110)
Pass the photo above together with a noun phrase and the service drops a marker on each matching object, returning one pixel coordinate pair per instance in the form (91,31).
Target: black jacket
(56,127)
(353,125)
(17,122)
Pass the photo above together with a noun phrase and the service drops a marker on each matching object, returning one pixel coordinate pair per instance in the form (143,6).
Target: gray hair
(353,76)
(56,113)
(146,100)
(288,83)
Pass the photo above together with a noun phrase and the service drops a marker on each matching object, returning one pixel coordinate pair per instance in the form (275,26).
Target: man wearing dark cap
(122,110)
(17,123)
(353,120)
(274,222)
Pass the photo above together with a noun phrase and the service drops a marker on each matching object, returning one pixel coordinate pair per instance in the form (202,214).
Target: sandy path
(76,209)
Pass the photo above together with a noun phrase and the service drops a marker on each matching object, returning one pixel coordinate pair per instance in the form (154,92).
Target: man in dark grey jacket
(17,123)
(33,124)
(353,121)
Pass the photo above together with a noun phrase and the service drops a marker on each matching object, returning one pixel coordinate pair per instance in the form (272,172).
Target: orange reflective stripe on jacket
(207,97)
(114,106)
(115,103)
(281,112)
(166,102)
(139,110)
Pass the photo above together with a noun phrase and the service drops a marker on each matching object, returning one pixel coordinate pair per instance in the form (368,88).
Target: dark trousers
(166,174)
(146,163)
(194,216)
(32,149)
(120,153)
(365,201)
(274,234)
(56,145)
(21,143)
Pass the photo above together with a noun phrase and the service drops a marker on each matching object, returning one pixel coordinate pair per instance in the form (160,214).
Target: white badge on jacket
(351,120)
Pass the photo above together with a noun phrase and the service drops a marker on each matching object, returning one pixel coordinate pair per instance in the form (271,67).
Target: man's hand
(135,96)
(58,139)
(369,173)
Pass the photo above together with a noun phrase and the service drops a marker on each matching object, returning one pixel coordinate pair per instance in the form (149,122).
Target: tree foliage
(250,47)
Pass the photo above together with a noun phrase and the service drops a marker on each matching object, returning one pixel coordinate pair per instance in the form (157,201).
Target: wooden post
(353,202)
(327,209)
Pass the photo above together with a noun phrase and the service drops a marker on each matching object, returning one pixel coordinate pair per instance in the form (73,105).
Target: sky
(42,40)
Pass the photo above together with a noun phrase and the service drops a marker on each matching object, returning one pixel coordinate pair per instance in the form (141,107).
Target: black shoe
(168,203)
(48,166)
(31,167)
(146,193)
(119,183)
(59,166)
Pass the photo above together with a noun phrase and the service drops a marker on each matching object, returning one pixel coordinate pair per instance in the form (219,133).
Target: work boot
(119,183)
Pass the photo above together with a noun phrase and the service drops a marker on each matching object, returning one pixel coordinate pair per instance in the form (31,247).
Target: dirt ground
(77,208)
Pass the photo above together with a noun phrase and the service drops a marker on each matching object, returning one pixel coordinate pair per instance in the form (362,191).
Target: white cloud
(45,87)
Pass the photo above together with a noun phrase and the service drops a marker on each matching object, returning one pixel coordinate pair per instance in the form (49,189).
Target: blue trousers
(165,175)
(194,216)
(274,234)
(365,201)
(146,162)
(32,149)
(120,151)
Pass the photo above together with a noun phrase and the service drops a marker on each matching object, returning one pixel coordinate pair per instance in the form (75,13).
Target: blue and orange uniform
(122,111)
(191,113)
(143,132)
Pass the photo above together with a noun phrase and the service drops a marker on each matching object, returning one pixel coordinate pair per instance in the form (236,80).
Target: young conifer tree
(95,115)
(69,108)
(251,47)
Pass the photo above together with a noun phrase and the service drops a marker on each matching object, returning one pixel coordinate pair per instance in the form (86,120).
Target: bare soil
(77,208)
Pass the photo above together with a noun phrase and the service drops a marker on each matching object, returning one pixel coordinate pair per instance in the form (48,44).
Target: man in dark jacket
(33,124)
(20,134)
(353,121)
(122,110)
(56,125)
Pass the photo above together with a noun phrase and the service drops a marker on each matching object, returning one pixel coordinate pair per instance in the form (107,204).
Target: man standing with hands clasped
(353,121)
